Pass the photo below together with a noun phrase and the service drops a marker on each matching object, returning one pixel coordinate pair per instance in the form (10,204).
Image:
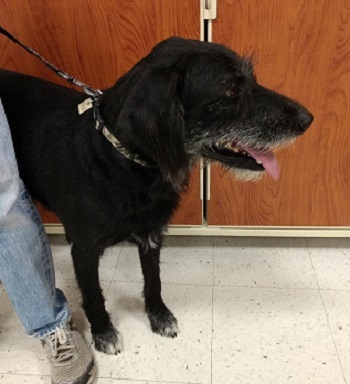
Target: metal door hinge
(209,9)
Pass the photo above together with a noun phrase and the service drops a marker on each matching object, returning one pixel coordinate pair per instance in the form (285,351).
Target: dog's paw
(108,342)
(163,322)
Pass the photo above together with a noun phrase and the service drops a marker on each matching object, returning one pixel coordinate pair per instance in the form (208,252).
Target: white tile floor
(251,311)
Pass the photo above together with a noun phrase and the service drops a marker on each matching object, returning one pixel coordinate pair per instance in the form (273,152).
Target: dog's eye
(231,92)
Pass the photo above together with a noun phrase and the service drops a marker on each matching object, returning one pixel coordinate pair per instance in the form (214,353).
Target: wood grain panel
(301,49)
(190,210)
(97,42)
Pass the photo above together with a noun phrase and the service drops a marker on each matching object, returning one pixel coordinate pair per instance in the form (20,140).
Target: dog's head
(189,99)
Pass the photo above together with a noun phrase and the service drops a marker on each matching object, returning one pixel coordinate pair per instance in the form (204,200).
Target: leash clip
(93,102)
(100,123)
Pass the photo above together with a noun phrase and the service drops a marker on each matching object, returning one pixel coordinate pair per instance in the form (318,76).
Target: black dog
(186,100)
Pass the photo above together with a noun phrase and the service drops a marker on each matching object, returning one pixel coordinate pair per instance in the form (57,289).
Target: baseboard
(179,230)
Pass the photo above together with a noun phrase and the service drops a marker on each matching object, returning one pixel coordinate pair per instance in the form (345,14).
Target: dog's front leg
(161,319)
(86,270)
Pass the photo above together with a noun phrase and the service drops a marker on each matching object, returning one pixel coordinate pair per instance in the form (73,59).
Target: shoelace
(61,347)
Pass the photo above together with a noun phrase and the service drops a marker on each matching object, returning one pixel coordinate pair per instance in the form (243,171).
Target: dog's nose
(304,119)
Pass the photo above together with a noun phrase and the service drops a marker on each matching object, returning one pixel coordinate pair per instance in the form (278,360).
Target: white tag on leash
(85,105)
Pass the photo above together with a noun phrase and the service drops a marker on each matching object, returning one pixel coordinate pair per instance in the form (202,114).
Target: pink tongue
(268,160)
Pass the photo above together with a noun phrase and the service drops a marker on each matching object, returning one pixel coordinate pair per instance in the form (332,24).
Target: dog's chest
(146,211)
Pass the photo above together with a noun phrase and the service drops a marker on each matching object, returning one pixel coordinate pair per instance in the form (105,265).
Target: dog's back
(46,137)
(27,96)
(60,154)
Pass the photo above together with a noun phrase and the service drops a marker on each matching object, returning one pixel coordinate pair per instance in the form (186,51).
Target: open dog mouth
(234,155)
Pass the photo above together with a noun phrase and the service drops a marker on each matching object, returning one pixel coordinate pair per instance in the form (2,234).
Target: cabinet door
(97,42)
(302,49)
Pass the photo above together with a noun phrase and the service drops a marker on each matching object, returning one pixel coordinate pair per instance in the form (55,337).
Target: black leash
(86,88)
(94,103)
(95,93)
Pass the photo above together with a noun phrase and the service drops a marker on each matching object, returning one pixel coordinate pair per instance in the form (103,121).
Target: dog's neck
(103,127)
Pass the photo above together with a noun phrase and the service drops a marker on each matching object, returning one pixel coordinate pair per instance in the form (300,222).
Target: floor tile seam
(209,285)
(332,336)
(221,285)
(24,374)
(148,381)
(166,283)
(267,287)
(326,313)
(163,283)
(105,377)
(115,268)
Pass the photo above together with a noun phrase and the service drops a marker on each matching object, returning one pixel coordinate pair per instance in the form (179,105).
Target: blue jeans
(26,266)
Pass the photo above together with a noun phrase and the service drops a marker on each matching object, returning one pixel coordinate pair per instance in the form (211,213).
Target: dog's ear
(153,114)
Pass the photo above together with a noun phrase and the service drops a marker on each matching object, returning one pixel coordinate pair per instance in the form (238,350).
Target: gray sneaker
(70,357)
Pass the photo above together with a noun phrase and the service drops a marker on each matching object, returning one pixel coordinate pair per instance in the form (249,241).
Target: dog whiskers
(247,175)
(242,174)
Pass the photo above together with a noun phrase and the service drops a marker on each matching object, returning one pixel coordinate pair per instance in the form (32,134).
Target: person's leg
(26,267)
(27,272)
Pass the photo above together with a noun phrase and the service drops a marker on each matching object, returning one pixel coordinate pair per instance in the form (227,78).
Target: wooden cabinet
(97,42)
(302,49)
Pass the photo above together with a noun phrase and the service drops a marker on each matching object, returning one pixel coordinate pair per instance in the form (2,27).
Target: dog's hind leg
(86,263)
(161,319)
